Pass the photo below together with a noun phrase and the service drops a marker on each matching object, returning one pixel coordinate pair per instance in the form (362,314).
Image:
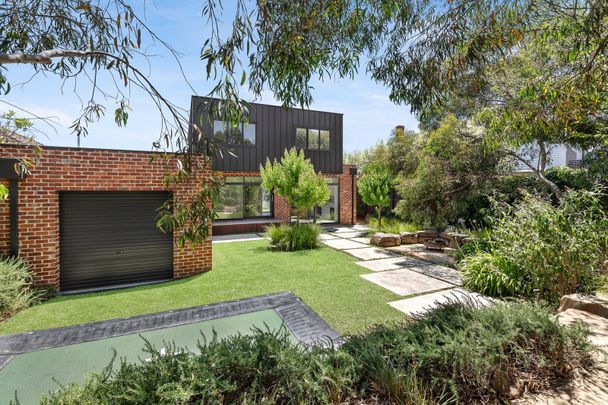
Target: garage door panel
(111,238)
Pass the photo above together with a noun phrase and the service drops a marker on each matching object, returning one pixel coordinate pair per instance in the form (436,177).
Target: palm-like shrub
(16,291)
(291,237)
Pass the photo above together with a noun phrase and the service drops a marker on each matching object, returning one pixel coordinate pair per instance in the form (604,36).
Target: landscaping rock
(426,235)
(589,303)
(598,325)
(408,238)
(435,244)
(455,240)
(385,239)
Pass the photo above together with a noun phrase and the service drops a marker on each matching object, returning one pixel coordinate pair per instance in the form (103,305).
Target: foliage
(455,354)
(390,225)
(569,178)
(3,192)
(294,178)
(452,175)
(16,292)
(292,237)
(462,355)
(538,249)
(375,187)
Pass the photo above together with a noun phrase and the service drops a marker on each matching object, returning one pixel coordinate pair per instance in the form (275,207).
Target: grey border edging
(308,327)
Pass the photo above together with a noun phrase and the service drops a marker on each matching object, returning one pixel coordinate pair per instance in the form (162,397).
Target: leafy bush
(16,290)
(291,237)
(539,248)
(461,354)
(390,225)
(569,178)
(494,275)
(455,354)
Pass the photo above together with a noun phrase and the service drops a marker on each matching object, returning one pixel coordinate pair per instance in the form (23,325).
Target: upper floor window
(242,134)
(313,139)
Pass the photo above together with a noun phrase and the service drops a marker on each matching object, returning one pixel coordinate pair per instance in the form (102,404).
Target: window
(301,138)
(324,140)
(243,197)
(242,134)
(328,213)
(313,139)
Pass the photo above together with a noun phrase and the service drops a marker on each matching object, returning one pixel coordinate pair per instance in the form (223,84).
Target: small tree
(295,179)
(375,187)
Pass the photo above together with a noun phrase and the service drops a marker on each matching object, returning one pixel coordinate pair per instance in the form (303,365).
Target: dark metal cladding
(275,132)
(111,238)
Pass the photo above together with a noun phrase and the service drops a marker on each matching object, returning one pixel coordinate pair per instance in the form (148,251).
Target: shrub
(16,291)
(462,355)
(291,237)
(494,275)
(390,225)
(550,250)
(455,354)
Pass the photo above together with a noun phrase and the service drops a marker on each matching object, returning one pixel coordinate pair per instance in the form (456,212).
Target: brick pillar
(348,204)
(282,210)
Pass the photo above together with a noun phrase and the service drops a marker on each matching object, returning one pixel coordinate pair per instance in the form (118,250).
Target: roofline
(81,148)
(272,105)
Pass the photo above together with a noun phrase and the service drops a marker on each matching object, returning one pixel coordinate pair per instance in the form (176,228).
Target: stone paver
(351,235)
(361,240)
(419,251)
(598,325)
(406,282)
(371,253)
(441,272)
(392,263)
(344,229)
(342,244)
(327,236)
(423,303)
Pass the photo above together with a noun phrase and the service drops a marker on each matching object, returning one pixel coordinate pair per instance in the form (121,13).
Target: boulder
(408,238)
(589,303)
(455,240)
(598,325)
(385,239)
(426,235)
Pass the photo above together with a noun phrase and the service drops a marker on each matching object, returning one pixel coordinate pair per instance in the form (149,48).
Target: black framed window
(242,134)
(243,197)
(312,139)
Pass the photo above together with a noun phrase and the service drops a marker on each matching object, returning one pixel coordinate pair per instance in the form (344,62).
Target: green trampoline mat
(34,373)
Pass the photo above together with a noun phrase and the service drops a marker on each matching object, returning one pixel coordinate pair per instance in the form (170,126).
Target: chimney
(399,131)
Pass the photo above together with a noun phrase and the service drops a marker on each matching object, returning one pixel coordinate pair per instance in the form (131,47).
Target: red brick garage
(126,180)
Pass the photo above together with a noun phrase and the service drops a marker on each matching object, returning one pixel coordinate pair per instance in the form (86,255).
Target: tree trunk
(379,211)
(540,172)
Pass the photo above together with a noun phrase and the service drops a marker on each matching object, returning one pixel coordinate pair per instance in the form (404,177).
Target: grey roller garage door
(111,238)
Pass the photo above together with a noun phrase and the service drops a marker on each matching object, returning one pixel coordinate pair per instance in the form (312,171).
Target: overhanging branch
(44,57)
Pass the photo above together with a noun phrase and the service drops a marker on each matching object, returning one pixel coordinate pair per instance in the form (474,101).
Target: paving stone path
(423,284)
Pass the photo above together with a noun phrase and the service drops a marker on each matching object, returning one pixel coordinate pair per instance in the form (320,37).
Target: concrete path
(422,282)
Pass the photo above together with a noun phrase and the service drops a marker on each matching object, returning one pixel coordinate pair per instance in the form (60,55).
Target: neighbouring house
(245,205)
(85,219)
(559,155)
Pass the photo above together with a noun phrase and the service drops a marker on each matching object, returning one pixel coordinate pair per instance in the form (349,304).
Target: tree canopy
(375,186)
(294,178)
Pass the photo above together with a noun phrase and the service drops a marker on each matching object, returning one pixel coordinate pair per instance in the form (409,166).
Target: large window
(313,139)
(330,211)
(244,197)
(242,134)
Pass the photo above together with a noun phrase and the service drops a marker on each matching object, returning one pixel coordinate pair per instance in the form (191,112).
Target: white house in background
(560,155)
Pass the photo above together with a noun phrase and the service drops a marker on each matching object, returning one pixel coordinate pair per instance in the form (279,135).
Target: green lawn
(327,280)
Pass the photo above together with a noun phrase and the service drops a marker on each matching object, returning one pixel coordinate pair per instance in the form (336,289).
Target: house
(85,219)
(559,155)
(245,206)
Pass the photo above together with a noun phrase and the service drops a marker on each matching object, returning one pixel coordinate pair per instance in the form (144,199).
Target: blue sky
(368,113)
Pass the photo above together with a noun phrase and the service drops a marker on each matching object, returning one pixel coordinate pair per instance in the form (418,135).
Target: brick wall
(348,207)
(5,231)
(73,169)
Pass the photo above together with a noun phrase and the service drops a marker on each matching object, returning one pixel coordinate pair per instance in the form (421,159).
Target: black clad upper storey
(275,131)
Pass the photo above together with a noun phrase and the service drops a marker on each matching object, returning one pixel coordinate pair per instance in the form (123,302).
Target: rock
(408,238)
(598,325)
(455,240)
(589,303)
(426,235)
(435,244)
(385,239)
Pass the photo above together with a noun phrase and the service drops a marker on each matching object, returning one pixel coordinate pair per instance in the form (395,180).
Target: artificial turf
(327,280)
